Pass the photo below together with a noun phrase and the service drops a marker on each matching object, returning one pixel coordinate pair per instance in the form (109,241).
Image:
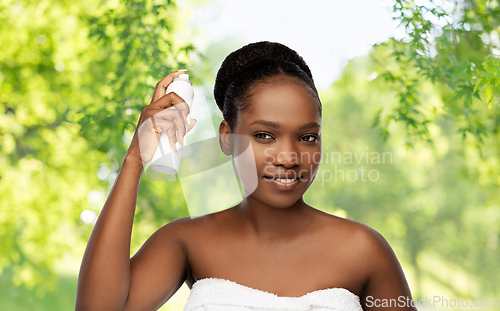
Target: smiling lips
(283,182)
(284,178)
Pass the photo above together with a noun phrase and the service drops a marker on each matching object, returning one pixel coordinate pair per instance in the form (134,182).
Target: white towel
(214,294)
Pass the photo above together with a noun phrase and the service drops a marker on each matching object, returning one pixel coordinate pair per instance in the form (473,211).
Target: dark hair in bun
(253,63)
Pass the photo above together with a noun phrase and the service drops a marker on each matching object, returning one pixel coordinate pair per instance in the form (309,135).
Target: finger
(184,109)
(161,87)
(169,100)
(181,126)
(179,119)
(172,112)
(175,117)
(188,128)
(168,127)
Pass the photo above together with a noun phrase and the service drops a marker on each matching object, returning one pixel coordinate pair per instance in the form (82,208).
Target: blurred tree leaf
(74,77)
(454,44)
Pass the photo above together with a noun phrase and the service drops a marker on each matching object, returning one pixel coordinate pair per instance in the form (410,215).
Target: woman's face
(283,125)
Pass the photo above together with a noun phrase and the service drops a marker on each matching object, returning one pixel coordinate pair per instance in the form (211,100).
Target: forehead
(282,99)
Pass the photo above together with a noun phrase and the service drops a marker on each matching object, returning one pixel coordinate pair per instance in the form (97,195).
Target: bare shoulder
(175,228)
(160,266)
(186,227)
(362,241)
(181,228)
(371,256)
(369,240)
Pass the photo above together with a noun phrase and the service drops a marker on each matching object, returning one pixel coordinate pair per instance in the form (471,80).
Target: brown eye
(262,135)
(309,138)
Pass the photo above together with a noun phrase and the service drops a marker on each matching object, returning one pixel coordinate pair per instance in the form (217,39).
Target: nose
(287,154)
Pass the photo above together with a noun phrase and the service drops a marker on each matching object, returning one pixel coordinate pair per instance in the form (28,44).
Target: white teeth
(286,181)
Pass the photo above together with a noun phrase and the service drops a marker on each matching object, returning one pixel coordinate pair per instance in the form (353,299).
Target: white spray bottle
(165,159)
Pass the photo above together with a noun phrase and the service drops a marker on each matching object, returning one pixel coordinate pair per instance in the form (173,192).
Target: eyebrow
(277,125)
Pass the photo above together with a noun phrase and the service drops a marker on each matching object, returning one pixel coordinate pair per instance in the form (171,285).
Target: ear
(225,137)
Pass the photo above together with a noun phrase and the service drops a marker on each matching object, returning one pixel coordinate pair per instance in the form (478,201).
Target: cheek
(311,161)
(263,154)
(315,156)
(264,159)
(245,164)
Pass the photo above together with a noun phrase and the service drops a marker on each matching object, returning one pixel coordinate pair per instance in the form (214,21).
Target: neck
(272,223)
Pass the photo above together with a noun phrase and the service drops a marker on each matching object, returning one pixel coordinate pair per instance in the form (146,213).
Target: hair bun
(244,56)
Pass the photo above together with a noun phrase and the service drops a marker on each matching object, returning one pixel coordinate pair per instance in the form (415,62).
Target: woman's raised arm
(109,279)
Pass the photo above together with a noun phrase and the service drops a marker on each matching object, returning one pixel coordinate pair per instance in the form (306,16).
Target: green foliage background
(75,76)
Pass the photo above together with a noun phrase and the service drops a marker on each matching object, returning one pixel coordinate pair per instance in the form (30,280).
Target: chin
(276,199)
(276,202)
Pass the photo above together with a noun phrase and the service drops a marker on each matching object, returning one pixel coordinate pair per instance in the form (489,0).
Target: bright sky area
(325,33)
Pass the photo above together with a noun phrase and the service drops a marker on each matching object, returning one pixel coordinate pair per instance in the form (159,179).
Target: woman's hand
(156,118)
